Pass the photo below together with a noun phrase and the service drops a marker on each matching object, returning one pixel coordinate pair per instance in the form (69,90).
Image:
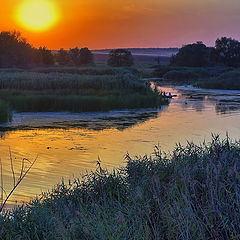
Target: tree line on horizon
(226,52)
(15,51)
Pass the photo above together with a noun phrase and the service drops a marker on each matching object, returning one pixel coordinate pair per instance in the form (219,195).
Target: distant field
(141,55)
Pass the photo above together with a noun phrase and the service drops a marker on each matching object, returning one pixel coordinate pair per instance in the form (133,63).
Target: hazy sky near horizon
(130,23)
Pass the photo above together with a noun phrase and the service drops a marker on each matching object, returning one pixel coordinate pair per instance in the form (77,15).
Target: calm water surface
(70,144)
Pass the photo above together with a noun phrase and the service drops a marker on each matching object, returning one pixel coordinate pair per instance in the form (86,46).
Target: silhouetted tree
(86,56)
(192,55)
(229,51)
(75,56)
(81,56)
(46,56)
(120,58)
(16,52)
(63,58)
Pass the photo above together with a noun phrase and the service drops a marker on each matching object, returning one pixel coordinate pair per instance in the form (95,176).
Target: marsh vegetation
(76,90)
(190,194)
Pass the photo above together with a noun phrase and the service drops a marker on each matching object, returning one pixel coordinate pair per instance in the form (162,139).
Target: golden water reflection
(69,152)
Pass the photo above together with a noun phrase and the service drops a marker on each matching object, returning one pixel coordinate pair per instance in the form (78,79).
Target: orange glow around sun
(37,15)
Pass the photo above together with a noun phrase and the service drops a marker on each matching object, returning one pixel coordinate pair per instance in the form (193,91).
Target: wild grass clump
(5,112)
(191,194)
(229,81)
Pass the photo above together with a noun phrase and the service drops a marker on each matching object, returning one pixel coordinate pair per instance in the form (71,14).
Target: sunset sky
(101,24)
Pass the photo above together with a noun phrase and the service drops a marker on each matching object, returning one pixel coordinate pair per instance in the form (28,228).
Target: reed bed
(55,81)
(192,193)
(60,91)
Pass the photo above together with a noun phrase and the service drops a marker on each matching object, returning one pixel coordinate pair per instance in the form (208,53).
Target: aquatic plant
(192,193)
(54,91)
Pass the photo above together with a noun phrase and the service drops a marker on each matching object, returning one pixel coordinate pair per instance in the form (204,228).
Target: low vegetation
(191,194)
(5,112)
(229,81)
(188,74)
(76,90)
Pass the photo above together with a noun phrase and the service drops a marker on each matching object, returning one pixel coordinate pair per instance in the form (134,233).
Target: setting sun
(37,15)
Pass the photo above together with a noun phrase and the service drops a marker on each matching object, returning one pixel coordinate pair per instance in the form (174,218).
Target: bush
(120,58)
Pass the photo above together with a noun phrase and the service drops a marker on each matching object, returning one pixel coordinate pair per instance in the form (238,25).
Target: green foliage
(92,103)
(191,194)
(84,70)
(53,81)
(120,58)
(59,91)
(5,112)
(229,80)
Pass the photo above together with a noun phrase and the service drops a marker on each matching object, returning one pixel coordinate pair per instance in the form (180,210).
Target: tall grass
(5,112)
(55,81)
(191,194)
(103,70)
(54,91)
(76,103)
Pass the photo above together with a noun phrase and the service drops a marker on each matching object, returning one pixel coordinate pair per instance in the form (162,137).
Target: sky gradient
(100,24)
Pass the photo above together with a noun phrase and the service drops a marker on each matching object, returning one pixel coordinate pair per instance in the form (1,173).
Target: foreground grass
(191,194)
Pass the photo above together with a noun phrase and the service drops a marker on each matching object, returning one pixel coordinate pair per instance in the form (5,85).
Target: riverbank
(225,78)
(192,193)
(76,90)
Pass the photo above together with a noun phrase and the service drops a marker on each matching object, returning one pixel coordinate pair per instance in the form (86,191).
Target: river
(68,145)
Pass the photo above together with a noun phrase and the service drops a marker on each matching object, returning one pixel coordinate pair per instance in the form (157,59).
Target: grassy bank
(229,81)
(76,89)
(204,77)
(191,194)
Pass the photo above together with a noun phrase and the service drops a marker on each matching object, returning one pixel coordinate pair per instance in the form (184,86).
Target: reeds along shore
(191,194)
(76,90)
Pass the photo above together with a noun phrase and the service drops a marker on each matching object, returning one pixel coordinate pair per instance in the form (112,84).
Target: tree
(15,51)
(81,56)
(75,55)
(193,55)
(63,58)
(86,56)
(120,58)
(228,50)
(46,56)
